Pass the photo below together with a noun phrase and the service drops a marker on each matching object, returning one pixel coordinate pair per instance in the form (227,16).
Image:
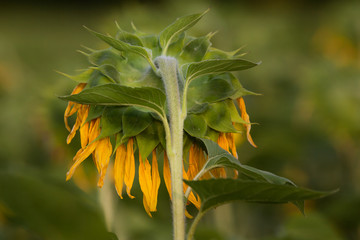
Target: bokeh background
(308,115)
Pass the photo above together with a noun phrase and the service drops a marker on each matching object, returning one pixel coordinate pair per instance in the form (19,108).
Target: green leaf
(116,95)
(95,111)
(218,118)
(111,121)
(215,192)
(148,139)
(134,122)
(218,157)
(195,125)
(216,66)
(126,47)
(170,33)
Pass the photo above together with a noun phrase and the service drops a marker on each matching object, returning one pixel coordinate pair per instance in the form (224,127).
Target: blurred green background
(308,115)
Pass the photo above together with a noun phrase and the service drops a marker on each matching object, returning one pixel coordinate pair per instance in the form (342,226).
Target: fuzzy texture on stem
(167,67)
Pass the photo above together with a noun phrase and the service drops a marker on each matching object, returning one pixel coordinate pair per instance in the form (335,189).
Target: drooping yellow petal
(246,118)
(119,169)
(193,168)
(103,153)
(231,142)
(155,177)
(80,156)
(146,206)
(145,181)
(191,198)
(80,120)
(84,128)
(167,174)
(223,143)
(83,153)
(72,107)
(129,167)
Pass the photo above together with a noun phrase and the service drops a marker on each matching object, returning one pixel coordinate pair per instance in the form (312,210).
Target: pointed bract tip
(211,34)
(117,25)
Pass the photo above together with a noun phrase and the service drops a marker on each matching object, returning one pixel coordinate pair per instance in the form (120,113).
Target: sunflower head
(120,101)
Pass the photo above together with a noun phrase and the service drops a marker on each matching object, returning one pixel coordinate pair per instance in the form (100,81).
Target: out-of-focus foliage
(308,117)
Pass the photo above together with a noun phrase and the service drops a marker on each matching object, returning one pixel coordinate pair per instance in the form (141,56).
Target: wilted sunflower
(113,127)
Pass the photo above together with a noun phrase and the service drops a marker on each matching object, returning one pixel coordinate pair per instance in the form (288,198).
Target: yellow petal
(246,118)
(80,156)
(145,181)
(80,120)
(129,167)
(146,206)
(193,168)
(119,169)
(103,153)
(232,145)
(191,198)
(72,107)
(155,177)
(167,174)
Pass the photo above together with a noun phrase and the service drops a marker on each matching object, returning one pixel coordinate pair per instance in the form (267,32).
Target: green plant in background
(175,96)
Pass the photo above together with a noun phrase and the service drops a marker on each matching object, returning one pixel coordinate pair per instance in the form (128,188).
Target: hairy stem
(174,141)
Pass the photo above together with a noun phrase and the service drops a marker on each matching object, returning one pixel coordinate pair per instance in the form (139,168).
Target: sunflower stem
(167,66)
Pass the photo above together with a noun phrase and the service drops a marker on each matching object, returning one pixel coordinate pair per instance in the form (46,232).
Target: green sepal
(195,50)
(147,140)
(215,66)
(214,53)
(134,122)
(82,77)
(195,125)
(105,57)
(215,192)
(113,94)
(110,72)
(111,121)
(240,91)
(172,32)
(195,108)
(126,47)
(212,134)
(209,90)
(129,38)
(96,78)
(234,113)
(95,111)
(152,42)
(176,47)
(218,117)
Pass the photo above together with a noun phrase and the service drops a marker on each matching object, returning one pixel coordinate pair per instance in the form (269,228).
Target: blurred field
(308,117)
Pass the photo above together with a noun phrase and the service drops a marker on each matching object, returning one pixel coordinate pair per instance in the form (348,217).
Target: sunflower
(131,135)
